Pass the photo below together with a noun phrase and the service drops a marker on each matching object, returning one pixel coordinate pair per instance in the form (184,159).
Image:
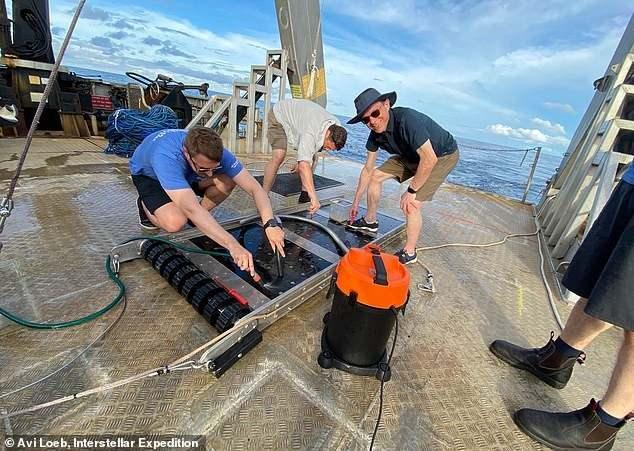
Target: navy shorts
(602,270)
(152,193)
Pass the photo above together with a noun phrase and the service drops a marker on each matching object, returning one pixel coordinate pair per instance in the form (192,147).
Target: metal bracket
(5,211)
(428,285)
(222,363)
(127,251)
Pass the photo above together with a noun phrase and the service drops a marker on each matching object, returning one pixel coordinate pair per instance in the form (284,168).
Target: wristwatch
(271,223)
(411,190)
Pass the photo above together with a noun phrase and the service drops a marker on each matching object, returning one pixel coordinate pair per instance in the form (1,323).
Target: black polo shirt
(406,131)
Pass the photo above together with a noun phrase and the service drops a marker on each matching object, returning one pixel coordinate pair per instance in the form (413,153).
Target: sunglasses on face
(366,119)
(208,171)
(205,170)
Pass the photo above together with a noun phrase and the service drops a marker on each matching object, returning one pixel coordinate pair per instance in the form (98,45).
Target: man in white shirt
(305,126)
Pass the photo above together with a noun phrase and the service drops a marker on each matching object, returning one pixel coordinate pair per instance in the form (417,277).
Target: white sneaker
(9,113)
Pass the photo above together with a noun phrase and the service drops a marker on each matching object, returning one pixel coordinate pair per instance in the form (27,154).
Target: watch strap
(271,223)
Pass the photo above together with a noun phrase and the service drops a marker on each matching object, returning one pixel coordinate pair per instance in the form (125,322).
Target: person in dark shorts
(424,153)
(602,274)
(171,167)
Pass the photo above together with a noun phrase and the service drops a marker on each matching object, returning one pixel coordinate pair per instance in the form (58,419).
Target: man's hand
(354,211)
(293,168)
(276,239)
(242,258)
(409,204)
(314,205)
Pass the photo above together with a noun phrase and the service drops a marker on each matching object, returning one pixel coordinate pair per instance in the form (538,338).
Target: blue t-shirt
(160,156)
(628,177)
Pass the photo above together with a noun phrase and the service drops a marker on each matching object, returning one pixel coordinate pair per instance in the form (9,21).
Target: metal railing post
(538,151)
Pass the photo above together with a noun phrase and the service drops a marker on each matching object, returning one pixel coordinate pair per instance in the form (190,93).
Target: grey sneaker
(406,258)
(362,224)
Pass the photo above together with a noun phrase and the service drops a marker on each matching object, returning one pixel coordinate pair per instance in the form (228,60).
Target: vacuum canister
(367,286)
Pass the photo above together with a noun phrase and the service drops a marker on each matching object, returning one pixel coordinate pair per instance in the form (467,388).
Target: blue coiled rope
(127,128)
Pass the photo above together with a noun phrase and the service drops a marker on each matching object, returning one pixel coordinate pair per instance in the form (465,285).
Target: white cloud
(522,133)
(529,135)
(177,48)
(474,63)
(430,89)
(91,13)
(571,62)
(549,126)
(564,107)
(455,16)
(466,64)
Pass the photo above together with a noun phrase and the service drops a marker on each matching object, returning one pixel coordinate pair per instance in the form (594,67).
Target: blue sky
(515,73)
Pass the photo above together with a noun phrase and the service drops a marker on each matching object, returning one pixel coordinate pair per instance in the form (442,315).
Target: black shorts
(152,193)
(602,270)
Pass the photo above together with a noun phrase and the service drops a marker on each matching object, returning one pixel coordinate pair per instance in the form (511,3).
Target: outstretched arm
(362,185)
(306,175)
(186,200)
(263,204)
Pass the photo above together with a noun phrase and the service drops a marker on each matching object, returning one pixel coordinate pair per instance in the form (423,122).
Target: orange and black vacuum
(370,287)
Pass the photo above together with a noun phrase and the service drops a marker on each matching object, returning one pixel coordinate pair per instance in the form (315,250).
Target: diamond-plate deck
(447,391)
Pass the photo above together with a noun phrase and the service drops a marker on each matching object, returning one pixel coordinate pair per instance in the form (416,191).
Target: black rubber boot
(546,363)
(578,430)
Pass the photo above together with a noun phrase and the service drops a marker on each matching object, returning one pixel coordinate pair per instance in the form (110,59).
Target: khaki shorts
(402,171)
(276,134)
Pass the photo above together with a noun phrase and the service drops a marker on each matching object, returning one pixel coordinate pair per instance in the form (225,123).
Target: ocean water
(497,171)
(491,170)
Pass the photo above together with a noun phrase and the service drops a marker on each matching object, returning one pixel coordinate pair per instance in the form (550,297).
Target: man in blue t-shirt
(171,167)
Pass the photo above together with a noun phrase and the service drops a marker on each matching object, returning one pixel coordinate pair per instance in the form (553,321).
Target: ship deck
(74,203)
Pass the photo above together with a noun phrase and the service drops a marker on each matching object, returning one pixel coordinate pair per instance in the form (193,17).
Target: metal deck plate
(447,390)
(289,184)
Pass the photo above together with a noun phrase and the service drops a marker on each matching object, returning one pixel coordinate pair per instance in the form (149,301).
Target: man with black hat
(424,153)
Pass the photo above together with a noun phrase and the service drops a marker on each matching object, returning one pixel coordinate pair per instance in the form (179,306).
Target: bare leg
(172,219)
(413,228)
(217,189)
(619,399)
(581,329)
(168,217)
(374,193)
(271,168)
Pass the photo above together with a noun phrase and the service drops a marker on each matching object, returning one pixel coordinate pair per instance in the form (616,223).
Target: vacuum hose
(340,244)
(279,264)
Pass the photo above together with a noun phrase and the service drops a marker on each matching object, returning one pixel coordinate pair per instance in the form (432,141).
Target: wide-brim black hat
(367,98)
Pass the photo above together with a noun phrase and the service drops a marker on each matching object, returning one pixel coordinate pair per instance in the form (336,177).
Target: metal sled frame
(265,311)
